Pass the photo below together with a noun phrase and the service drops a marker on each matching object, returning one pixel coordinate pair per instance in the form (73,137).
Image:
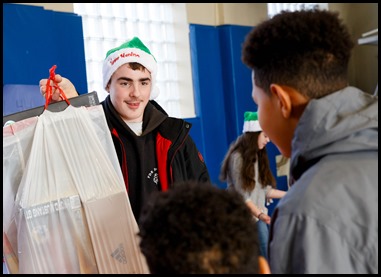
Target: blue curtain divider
(35,39)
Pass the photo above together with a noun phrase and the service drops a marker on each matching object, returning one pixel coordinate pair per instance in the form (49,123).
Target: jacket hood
(153,116)
(344,121)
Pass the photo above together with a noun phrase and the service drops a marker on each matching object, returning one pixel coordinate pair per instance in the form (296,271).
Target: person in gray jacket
(328,220)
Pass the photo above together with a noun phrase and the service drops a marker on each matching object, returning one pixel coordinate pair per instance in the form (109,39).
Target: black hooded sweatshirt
(163,155)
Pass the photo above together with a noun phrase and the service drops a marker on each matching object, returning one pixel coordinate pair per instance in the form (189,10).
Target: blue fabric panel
(18,98)
(209,99)
(236,77)
(35,39)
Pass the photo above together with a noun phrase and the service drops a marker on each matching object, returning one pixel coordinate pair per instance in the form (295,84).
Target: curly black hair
(308,50)
(198,229)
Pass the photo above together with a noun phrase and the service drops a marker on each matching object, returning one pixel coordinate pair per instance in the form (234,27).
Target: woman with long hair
(246,169)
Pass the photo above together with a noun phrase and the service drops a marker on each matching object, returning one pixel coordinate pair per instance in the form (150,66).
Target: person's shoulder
(236,159)
(236,155)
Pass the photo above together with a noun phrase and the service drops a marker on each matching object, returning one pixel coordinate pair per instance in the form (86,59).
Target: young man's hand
(65,84)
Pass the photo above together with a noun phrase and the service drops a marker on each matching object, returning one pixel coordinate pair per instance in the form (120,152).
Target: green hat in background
(251,123)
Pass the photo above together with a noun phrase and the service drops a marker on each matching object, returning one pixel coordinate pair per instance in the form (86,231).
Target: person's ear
(291,102)
(283,97)
(264,267)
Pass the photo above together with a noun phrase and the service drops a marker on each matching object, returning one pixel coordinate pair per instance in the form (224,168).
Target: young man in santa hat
(154,150)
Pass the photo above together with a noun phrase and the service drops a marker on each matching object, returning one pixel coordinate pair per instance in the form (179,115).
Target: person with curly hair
(193,229)
(328,220)
(246,169)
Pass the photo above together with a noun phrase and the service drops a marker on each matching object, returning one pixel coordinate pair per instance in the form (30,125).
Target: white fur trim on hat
(251,126)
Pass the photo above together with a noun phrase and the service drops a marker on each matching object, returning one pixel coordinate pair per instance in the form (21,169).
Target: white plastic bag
(72,210)
(17,142)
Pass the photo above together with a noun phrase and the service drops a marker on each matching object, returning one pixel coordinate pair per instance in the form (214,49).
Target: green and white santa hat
(132,51)
(251,123)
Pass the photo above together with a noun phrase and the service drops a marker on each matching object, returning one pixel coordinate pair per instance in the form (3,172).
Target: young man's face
(271,120)
(130,91)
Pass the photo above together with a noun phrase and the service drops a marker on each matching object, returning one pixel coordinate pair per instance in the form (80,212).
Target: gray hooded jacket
(328,220)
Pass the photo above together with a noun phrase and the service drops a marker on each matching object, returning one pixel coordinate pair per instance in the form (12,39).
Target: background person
(246,169)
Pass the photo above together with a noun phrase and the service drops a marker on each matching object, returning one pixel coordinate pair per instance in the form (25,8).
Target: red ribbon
(49,93)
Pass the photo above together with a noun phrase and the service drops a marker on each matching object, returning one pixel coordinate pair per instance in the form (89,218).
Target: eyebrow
(130,80)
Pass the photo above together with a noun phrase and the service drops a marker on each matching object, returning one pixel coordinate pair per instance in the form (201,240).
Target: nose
(135,90)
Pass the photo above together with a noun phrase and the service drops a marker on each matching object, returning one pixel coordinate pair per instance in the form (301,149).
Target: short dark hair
(308,50)
(200,229)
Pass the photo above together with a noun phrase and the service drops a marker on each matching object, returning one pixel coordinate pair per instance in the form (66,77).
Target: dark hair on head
(247,145)
(137,66)
(198,228)
(308,50)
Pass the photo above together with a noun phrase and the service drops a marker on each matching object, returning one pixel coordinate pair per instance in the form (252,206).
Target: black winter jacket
(162,156)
